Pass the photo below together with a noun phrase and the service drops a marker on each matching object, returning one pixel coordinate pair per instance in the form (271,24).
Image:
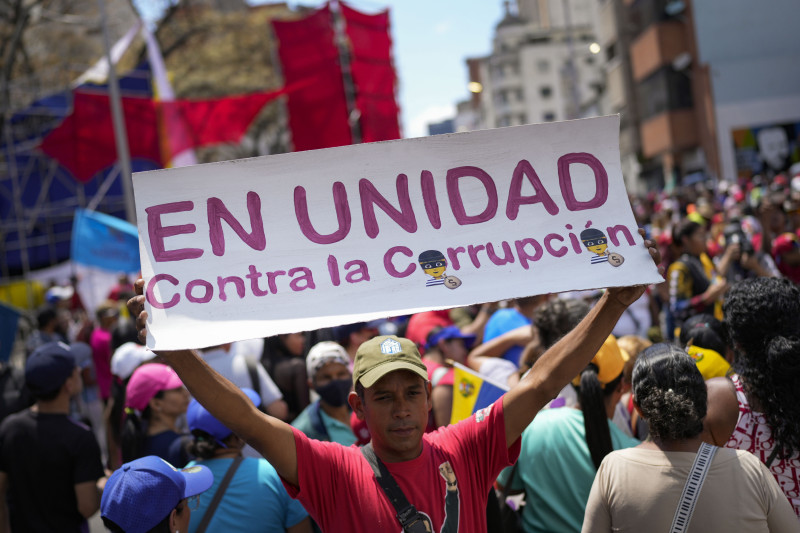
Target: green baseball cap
(387,353)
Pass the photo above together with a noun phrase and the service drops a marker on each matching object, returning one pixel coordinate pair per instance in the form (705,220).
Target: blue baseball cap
(198,417)
(142,493)
(48,367)
(447,333)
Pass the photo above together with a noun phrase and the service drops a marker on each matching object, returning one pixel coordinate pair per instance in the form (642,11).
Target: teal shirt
(255,500)
(336,430)
(556,470)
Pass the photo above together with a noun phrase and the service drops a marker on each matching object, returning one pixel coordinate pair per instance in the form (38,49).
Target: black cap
(48,367)
(431,255)
(592,233)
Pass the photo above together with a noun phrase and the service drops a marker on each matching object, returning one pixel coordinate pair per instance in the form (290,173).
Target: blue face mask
(335,393)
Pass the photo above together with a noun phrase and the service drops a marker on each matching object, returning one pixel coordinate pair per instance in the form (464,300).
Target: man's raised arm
(271,437)
(568,357)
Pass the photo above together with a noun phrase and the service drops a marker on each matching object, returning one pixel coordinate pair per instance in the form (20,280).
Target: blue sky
(432,38)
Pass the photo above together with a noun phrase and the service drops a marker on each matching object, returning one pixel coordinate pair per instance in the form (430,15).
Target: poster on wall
(768,150)
(296,242)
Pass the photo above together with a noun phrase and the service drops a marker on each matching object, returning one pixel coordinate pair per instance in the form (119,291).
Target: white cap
(128,358)
(795,183)
(323,353)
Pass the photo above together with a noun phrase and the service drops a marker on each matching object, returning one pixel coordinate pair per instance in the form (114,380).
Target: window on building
(502,96)
(541,39)
(664,90)
(522,118)
(503,121)
(644,13)
(543,65)
(520,94)
(545,91)
(612,51)
(548,116)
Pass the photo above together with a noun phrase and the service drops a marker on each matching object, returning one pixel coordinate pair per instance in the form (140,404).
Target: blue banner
(105,242)
(9,318)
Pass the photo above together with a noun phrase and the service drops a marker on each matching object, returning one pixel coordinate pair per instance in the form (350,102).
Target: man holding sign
(283,241)
(387,229)
(445,475)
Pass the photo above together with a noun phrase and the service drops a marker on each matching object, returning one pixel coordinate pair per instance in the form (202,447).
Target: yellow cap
(710,363)
(609,360)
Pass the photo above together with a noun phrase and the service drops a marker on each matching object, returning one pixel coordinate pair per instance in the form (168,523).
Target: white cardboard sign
(294,242)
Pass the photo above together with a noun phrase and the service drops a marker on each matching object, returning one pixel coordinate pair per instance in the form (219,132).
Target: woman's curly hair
(763,320)
(558,317)
(670,392)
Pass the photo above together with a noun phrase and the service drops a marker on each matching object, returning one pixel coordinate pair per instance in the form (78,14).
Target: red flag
(318,113)
(215,121)
(84,142)
(373,73)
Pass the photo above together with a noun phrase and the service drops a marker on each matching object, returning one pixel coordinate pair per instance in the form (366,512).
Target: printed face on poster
(295,242)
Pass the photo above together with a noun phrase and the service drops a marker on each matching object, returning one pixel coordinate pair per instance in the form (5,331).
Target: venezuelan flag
(472,392)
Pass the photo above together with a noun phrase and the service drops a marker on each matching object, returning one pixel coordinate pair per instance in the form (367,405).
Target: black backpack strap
(223,486)
(407,514)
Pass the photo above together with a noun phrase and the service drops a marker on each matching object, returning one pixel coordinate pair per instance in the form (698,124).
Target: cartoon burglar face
(433,263)
(434,268)
(594,240)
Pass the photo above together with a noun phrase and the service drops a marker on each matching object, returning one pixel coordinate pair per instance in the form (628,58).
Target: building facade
(541,68)
(754,72)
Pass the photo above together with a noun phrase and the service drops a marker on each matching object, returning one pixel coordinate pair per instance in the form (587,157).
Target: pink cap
(784,243)
(147,381)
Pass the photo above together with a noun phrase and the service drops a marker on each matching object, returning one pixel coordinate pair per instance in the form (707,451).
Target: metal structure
(38,197)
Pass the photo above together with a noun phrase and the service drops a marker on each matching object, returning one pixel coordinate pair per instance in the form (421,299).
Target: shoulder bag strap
(253,371)
(317,423)
(507,487)
(773,455)
(209,514)
(636,322)
(691,490)
(407,514)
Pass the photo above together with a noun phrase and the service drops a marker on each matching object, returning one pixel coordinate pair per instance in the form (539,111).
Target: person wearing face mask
(328,418)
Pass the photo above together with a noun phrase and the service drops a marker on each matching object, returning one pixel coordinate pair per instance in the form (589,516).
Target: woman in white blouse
(638,489)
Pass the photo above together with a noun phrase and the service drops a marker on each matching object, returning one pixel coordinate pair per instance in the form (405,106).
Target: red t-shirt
(448,378)
(338,488)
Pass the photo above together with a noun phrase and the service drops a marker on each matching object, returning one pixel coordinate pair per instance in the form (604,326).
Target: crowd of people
(612,396)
